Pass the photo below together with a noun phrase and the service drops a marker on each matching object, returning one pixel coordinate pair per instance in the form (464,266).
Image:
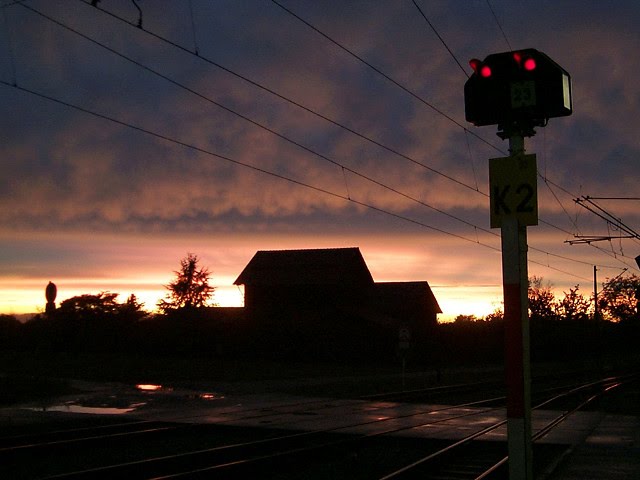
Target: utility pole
(518,91)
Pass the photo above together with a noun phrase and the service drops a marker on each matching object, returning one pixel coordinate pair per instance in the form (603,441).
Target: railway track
(367,442)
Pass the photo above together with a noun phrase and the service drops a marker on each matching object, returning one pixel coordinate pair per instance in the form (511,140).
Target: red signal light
(529,64)
(480,68)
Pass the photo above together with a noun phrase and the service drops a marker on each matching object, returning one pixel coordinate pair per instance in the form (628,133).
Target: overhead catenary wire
(387,77)
(495,17)
(440,38)
(11,3)
(242,164)
(290,101)
(587,203)
(12,60)
(473,166)
(466,132)
(193,29)
(559,256)
(545,177)
(573,222)
(616,256)
(613,198)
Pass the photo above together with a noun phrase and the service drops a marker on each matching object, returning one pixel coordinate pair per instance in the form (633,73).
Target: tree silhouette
(132,309)
(103,306)
(542,304)
(574,306)
(190,290)
(467,319)
(89,307)
(619,299)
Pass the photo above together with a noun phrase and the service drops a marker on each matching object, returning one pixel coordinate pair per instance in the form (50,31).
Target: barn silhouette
(325,303)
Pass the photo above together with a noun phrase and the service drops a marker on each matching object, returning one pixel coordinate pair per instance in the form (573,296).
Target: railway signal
(523,86)
(517,91)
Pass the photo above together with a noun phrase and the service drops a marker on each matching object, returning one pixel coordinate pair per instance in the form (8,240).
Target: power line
(546,180)
(14,2)
(473,166)
(290,101)
(560,270)
(574,223)
(614,198)
(440,37)
(613,255)
(402,87)
(504,35)
(385,76)
(193,29)
(12,59)
(593,207)
(243,164)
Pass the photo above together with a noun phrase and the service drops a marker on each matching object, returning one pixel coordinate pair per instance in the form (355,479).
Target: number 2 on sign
(503,203)
(525,205)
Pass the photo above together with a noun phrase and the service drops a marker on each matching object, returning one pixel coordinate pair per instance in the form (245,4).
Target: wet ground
(603,442)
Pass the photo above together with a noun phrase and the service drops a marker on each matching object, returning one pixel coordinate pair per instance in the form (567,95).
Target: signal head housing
(522,86)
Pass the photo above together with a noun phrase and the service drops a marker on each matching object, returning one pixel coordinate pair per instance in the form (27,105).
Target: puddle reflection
(100,410)
(148,387)
(127,399)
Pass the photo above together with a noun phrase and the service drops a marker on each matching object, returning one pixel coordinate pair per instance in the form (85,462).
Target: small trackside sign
(514,189)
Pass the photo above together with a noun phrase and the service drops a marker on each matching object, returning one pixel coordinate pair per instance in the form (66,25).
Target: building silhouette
(324,302)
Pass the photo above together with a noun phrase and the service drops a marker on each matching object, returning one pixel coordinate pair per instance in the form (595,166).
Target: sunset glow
(466,284)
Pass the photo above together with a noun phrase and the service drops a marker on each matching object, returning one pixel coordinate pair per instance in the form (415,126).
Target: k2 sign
(514,189)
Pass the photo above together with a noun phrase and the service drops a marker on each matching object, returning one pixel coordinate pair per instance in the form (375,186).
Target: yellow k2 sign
(514,189)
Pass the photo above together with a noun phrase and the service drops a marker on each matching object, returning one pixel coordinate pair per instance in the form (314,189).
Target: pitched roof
(407,293)
(330,266)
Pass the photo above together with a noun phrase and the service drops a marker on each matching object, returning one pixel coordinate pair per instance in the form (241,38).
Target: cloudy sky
(225,127)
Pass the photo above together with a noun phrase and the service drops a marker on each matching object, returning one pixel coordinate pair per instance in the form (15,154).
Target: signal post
(514,206)
(517,91)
